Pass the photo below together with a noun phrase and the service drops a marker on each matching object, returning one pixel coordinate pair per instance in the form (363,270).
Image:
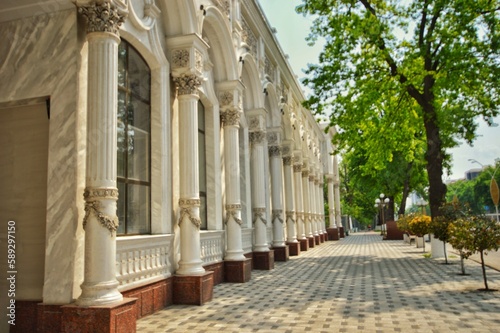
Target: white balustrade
(212,246)
(141,260)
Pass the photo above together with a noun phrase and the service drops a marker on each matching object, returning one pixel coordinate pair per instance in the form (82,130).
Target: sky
(292,30)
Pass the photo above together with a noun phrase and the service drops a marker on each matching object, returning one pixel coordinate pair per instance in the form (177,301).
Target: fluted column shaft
(299,201)
(336,191)
(234,243)
(257,140)
(313,204)
(321,205)
(100,221)
(291,236)
(331,203)
(307,204)
(276,195)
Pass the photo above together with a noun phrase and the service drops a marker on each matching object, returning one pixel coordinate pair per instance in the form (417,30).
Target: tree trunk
(484,271)
(434,157)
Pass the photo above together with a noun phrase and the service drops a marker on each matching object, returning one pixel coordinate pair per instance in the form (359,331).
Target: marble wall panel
(45,56)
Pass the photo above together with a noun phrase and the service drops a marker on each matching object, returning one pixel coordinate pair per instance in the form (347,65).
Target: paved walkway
(358,284)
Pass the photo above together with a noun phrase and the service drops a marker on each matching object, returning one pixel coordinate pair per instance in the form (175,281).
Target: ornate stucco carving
(93,197)
(277,215)
(248,37)
(224,6)
(269,69)
(226,98)
(258,213)
(274,151)
(180,58)
(273,138)
(257,137)
(102,17)
(187,206)
(232,211)
(187,84)
(297,168)
(198,61)
(305,173)
(230,118)
(287,160)
(254,123)
(290,214)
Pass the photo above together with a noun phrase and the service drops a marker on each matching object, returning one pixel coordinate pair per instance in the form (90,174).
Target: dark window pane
(120,208)
(122,64)
(139,76)
(203,211)
(138,209)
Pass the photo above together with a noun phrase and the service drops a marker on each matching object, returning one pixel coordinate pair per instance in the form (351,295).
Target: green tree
(461,238)
(400,67)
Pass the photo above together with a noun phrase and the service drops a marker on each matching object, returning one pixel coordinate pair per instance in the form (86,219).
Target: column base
(293,248)
(317,239)
(311,241)
(263,260)
(114,318)
(304,244)
(323,237)
(239,271)
(151,297)
(194,289)
(218,270)
(281,253)
(333,234)
(341,232)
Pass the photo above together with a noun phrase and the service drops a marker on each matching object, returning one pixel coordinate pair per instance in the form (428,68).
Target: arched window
(202,165)
(134,142)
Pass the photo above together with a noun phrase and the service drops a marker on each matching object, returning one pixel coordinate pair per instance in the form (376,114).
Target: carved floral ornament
(180,58)
(258,137)
(258,213)
(290,216)
(230,118)
(187,206)
(224,6)
(277,215)
(273,138)
(93,197)
(102,17)
(254,123)
(274,151)
(232,210)
(187,84)
(297,167)
(226,98)
(287,160)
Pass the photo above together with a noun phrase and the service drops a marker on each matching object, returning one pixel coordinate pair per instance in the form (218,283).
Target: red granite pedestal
(152,297)
(317,239)
(341,232)
(218,269)
(293,248)
(393,233)
(115,318)
(263,260)
(239,271)
(333,234)
(321,238)
(304,244)
(193,289)
(281,253)
(311,241)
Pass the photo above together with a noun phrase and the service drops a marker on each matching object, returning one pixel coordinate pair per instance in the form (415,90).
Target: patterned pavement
(358,284)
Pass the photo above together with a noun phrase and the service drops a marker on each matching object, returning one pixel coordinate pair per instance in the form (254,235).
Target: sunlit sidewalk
(358,284)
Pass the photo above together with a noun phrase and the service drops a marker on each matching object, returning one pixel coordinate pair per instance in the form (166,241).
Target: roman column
(306,197)
(291,235)
(299,201)
(336,191)
(100,221)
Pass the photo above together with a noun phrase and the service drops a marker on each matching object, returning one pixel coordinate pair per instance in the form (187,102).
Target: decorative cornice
(93,197)
(187,84)
(257,137)
(102,17)
(230,118)
(274,151)
(277,215)
(258,214)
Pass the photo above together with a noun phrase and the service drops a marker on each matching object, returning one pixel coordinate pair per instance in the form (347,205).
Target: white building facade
(152,149)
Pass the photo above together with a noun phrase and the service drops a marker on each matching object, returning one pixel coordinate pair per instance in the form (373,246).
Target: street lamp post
(494,192)
(380,203)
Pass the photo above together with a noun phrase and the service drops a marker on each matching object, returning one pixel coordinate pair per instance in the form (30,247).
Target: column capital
(187,84)
(287,160)
(187,55)
(230,118)
(274,151)
(257,137)
(103,16)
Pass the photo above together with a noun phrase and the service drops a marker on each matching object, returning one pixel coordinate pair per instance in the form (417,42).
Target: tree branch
(423,22)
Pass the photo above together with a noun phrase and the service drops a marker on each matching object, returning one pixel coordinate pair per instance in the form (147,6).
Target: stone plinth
(317,239)
(341,232)
(304,244)
(311,241)
(281,253)
(293,248)
(333,234)
(115,318)
(193,289)
(238,271)
(218,270)
(152,297)
(263,260)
